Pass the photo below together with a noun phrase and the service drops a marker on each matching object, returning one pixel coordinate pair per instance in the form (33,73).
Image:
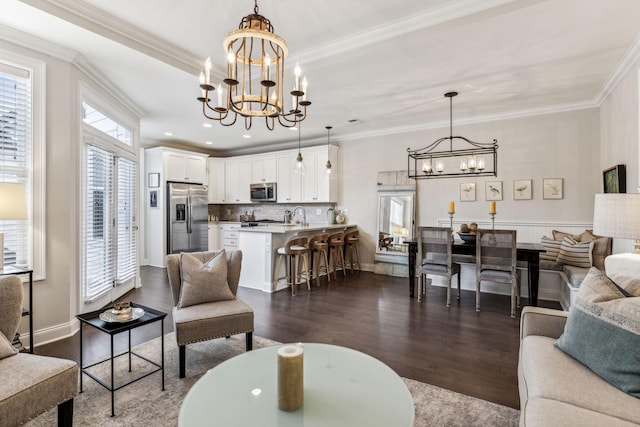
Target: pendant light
(299,166)
(328,165)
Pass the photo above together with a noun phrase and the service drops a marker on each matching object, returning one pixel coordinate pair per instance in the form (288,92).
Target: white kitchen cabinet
(289,188)
(183,166)
(256,260)
(215,237)
(237,180)
(310,178)
(216,180)
(264,168)
(230,236)
(315,185)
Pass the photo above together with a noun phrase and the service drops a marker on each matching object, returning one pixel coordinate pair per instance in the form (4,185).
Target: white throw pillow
(203,281)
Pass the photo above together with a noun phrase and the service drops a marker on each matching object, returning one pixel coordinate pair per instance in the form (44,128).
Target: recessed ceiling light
(168,134)
(207,125)
(293,128)
(246,135)
(208,142)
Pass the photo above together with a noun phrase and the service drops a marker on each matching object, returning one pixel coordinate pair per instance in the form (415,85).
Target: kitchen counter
(294,228)
(259,245)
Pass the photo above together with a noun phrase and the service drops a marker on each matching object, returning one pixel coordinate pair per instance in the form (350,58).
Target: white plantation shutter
(99,248)
(15,155)
(126,225)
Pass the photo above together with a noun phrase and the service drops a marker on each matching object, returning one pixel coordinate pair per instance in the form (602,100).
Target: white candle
(220,95)
(207,67)
(290,377)
(298,72)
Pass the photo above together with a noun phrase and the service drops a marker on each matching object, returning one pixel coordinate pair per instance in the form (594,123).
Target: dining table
(528,252)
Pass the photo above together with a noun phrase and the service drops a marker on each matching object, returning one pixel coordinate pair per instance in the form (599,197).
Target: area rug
(144,404)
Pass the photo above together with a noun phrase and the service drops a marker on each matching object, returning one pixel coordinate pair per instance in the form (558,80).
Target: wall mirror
(395,221)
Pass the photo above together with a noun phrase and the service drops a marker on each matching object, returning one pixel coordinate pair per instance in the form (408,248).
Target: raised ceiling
(384,64)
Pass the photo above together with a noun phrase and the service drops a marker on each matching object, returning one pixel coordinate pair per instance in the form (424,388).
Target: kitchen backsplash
(316,213)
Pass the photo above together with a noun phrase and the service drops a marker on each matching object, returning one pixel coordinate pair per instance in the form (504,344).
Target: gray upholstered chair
(496,261)
(31,384)
(434,250)
(209,320)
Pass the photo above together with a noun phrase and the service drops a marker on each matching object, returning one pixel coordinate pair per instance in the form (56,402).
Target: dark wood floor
(455,348)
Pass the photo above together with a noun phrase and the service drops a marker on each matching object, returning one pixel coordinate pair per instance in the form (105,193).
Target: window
(15,155)
(109,259)
(104,124)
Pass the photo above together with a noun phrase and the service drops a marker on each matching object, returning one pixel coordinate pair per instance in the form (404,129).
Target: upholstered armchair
(31,384)
(203,288)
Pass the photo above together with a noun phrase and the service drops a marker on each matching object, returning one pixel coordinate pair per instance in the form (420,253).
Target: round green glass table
(342,387)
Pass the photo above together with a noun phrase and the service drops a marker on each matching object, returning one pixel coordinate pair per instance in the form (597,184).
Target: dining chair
(434,255)
(496,258)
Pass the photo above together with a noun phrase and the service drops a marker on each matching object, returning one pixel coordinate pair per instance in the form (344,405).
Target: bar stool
(351,240)
(319,246)
(292,250)
(336,250)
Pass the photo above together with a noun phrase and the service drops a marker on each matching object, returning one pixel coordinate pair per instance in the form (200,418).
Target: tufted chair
(209,320)
(31,384)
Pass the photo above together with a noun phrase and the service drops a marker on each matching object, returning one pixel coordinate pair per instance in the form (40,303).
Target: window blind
(99,239)
(15,155)
(126,223)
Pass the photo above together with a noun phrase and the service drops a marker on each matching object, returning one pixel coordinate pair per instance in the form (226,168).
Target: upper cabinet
(216,180)
(237,180)
(315,185)
(289,184)
(183,166)
(264,169)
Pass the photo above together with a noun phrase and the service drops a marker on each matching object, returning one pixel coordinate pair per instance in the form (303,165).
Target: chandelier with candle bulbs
(254,85)
(462,157)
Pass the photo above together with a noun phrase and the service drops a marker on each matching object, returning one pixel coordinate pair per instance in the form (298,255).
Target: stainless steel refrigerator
(187,215)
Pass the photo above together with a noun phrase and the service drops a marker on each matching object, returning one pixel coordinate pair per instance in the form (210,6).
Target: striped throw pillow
(575,253)
(551,249)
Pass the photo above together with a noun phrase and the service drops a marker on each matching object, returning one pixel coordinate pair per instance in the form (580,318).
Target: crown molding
(28,41)
(431,18)
(103,82)
(561,108)
(630,58)
(98,21)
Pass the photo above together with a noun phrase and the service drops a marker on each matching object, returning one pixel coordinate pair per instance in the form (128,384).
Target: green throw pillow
(603,332)
(203,281)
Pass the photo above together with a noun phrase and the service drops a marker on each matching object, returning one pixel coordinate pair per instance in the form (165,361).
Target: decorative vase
(339,218)
(331,216)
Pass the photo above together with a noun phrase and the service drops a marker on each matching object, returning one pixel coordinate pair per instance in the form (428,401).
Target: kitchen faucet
(304,215)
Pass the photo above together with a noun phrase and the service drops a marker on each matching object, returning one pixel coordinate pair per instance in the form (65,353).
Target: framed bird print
(522,189)
(468,192)
(552,188)
(493,190)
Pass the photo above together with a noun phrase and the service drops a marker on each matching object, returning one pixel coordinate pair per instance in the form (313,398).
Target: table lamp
(617,215)
(13,206)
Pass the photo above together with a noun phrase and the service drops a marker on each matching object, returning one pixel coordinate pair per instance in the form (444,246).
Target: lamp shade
(13,201)
(617,215)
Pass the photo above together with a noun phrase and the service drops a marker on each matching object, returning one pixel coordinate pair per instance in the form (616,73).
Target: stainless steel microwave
(263,192)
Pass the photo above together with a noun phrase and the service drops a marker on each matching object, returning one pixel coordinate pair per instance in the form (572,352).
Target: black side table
(113,328)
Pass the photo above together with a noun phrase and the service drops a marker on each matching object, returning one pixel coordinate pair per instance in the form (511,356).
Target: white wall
(562,145)
(620,123)
(56,298)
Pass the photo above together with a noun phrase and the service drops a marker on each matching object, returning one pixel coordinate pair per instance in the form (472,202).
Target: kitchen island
(259,247)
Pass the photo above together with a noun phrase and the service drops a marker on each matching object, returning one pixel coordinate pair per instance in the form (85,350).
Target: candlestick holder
(451,224)
(492,238)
